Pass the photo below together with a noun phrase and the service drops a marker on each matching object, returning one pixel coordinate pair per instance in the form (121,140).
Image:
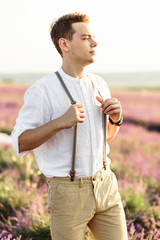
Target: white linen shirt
(46,100)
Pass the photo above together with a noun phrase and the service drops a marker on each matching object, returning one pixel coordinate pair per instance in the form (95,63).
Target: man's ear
(63,44)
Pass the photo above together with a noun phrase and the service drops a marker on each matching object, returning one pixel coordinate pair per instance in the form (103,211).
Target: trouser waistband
(81,180)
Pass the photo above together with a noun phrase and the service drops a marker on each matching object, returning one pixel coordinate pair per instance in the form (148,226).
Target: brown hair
(63,27)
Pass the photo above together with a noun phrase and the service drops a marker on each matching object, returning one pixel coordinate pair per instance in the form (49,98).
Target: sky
(127,33)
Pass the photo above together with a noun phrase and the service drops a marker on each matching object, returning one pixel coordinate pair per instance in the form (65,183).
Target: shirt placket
(87,99)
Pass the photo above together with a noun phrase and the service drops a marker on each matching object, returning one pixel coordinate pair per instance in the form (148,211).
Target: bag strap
(72,171)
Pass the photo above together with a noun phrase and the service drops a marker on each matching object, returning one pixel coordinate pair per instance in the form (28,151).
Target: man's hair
(62,28)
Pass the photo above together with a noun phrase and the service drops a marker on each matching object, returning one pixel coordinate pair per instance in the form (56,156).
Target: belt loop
(101,176)
(81,182)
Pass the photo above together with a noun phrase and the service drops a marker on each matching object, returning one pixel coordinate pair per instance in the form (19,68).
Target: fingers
(111,106)
(79,112)
(113,112)
(79,107)
(99,99)
(108,102)
(81,118)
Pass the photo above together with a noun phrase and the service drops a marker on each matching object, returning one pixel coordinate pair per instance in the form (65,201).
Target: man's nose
(93,43)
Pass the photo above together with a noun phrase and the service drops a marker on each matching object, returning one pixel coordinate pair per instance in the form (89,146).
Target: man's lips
(93,52)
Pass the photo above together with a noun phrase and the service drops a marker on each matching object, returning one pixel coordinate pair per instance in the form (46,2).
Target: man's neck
(75,71)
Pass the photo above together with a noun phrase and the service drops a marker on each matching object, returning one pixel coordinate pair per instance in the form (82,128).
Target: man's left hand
(111,107)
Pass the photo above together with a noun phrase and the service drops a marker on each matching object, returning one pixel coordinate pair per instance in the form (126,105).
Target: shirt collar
(70,78)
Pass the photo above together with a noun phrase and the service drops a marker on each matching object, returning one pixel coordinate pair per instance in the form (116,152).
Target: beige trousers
(93,201)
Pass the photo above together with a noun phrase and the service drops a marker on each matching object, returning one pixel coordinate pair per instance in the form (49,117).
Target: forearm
(112,131)
(33,138)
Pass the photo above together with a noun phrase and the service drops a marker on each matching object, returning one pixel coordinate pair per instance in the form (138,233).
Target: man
(46,123)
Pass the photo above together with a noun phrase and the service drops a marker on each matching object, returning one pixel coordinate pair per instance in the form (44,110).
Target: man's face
(82,46)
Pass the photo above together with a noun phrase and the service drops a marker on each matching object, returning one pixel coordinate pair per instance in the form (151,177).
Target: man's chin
(90,61)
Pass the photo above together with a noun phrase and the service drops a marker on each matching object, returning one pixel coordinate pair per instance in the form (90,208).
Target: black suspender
(72,171)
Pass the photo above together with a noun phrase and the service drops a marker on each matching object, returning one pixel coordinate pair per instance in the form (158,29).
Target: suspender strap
(104,140)
(72,172)
(104,122)
(65,88)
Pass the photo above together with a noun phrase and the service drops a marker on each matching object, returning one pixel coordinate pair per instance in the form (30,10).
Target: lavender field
(135,155)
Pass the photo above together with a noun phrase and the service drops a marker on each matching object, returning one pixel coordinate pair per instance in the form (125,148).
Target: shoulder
(42,85)
(45,81)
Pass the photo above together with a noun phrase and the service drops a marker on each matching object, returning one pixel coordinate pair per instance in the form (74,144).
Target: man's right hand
(75,114)
(33,138)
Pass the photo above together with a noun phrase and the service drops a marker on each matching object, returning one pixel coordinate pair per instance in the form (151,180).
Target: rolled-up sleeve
(30,116)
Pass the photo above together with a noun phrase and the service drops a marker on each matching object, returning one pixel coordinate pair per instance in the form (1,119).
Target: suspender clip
(73,102)
(72,174)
